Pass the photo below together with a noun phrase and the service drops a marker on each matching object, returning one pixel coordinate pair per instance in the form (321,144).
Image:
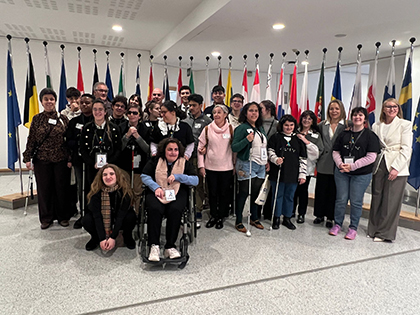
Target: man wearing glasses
(100,90)
(218,96)
(119,107)
(236,103)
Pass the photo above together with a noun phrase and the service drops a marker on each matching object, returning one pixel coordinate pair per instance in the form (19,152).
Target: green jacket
(240,143)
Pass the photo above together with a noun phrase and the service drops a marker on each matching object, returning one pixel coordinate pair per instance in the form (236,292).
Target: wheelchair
(188,231)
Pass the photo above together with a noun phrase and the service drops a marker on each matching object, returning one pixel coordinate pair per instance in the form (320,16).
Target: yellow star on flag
(418,139)
(10,93)
(10,134)
(415,127)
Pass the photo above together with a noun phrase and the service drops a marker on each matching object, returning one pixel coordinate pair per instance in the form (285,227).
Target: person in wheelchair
(110,209)
(167,177)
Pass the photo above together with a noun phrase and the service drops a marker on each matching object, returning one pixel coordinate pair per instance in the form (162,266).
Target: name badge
(197,126)
(100,160)
(263,153)
(52,121)
(170,195)
(137,159)
(79,126)
(226,136)
(315,135)
(348,159)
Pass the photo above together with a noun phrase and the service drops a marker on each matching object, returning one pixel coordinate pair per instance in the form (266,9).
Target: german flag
(31,95)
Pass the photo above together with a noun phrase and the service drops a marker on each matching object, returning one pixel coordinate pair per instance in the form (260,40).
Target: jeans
(284,201)
(351,187)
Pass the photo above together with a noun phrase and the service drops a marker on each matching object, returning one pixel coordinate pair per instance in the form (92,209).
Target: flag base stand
(17,200)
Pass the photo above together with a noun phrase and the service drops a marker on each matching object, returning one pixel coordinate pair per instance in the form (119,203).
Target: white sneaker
(378,239)
(172,253)
(154,253)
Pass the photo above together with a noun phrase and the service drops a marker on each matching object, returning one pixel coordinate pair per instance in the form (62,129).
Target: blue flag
(13,116)
(390,81)
(414,178)
(138,92)
(108,83)
(62,101)
(336,91)
(406,95)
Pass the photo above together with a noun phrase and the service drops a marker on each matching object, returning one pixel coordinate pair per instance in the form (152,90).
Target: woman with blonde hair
(391,171)
(110,209)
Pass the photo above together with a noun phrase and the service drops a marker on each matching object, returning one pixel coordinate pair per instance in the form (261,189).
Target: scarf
(161,176)
(106,208)
(165,128)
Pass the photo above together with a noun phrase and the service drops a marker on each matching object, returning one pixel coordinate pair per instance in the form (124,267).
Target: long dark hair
(314,125)
(171,107)
(243,115)
(164,143)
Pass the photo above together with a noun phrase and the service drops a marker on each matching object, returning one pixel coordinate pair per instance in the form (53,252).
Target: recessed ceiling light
(117,28)
(215,54)
(397,43)
(278,26)
(340,35)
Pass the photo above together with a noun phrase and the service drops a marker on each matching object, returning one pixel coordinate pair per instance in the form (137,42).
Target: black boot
(129,241)
(78,224)
(300,219)
(276,223)
(287,223)
(92,244)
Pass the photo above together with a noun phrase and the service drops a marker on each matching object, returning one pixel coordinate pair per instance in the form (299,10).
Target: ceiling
(232,27)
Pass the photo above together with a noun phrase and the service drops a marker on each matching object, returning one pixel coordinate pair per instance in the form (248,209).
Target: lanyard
(353,142)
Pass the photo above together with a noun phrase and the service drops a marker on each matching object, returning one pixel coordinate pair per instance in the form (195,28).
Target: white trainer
(172,253)
(154,253)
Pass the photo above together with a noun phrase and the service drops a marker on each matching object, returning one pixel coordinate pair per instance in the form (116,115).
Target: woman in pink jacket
(215,162)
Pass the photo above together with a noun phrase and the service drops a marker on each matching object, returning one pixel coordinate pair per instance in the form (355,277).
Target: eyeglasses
(102,91)
(156,94)
(132,113)
(163,112)
(391,106)
(237,101)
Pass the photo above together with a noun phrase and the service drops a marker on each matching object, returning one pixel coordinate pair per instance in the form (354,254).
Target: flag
(95,75)
(13,115)
(47,68)
(80,85)
(390,80)
(293,95)
(108,82)
(31,95)
(371,95)
(220,75)
(405,95)
(151,86)
(304,102)
(138,90)
(207,94)
(268,85)
(319,103)
(191,84)
(245,84)
(414,177)
(255,93)
(280,99)
(179,85)
(62,101)
(165,88)
(336,91)
(356,99)
(229,90)
(121,83)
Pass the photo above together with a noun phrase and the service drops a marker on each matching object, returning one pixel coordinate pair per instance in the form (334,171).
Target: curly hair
(123,182)
(164,143)
(243,115)
(311,114)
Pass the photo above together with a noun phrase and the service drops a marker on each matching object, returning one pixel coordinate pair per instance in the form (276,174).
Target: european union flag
(62,100)
(13,116)
(108,83)
(414,178)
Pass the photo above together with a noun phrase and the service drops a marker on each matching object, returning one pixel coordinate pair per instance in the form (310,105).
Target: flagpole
(245,84)
(191,82)
(9,37)
(229,83)
(269,77)
(207,97)
(47,66)
(165,77)
(138,92)
(219,66)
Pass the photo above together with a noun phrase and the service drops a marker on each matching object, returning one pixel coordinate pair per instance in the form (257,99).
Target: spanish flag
(31,95)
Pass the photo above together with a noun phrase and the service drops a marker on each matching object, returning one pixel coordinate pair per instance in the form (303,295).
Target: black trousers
(53,182)
(128,224)
(219,183)
(173,213)
(301,197)
(325,192)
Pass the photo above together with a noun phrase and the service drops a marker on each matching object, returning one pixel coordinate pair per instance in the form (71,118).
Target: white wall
(37,50)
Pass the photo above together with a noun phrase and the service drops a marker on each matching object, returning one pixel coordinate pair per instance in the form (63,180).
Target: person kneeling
(167,175)
(110,209)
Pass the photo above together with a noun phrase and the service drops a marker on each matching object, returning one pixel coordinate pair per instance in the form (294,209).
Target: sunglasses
(132,113)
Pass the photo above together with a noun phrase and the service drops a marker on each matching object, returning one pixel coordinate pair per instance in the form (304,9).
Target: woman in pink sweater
(215,162)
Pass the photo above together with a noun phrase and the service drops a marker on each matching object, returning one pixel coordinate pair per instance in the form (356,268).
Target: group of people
(100,153)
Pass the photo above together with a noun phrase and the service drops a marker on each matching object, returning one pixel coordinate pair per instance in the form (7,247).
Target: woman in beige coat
(391,171)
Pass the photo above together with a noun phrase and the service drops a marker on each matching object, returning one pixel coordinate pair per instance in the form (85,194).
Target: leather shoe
(318,220)
(300,219)
(329,224)
(45,225)
(92,244)
(64,223)
(210,223)
(219,224)
(276,223)
(287,223)
(78,224)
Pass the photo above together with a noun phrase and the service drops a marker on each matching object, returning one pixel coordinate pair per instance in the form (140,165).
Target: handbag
(262,196)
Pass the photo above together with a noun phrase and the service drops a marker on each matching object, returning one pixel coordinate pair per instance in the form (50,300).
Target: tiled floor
(305,271)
